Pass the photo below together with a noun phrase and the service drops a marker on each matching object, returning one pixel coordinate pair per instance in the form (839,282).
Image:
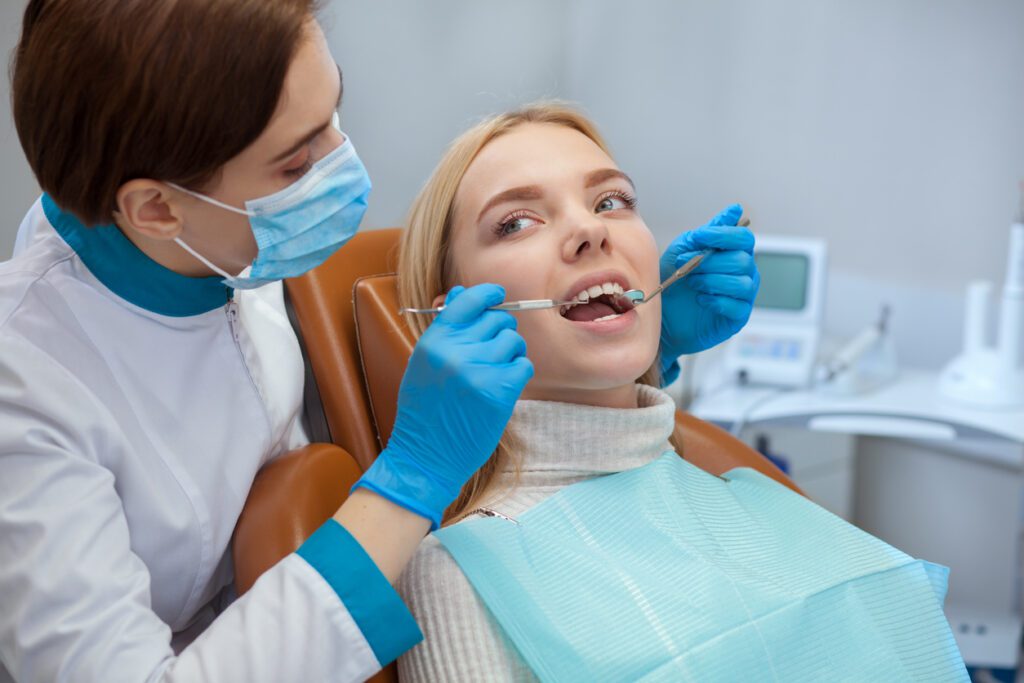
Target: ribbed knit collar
(580,439)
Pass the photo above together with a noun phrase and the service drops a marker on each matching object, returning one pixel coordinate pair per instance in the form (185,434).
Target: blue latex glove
(463,379)
(715,301)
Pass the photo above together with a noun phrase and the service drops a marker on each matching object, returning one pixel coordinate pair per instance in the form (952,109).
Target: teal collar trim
(132,275)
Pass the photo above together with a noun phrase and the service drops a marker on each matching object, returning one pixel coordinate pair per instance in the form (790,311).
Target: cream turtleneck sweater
(561,444)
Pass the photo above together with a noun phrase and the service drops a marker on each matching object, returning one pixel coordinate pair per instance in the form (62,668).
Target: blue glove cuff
(406,484)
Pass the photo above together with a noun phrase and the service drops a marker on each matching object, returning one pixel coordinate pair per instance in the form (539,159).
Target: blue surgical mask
(299,227)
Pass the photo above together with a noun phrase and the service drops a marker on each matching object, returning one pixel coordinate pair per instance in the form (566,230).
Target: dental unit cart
(779,346)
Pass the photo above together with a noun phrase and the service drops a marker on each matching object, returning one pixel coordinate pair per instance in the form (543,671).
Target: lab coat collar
(132,275)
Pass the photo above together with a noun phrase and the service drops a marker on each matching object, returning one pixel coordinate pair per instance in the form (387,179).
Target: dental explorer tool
(523,305)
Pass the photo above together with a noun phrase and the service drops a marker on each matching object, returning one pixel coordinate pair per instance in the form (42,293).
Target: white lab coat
(128,443)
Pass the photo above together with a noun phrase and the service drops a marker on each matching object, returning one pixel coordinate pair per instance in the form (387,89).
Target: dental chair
(356,347)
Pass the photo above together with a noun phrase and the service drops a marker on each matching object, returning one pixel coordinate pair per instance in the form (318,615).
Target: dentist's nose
(588,236)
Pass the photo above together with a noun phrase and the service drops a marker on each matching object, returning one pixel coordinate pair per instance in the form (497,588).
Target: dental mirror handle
(637,296)
(682,272)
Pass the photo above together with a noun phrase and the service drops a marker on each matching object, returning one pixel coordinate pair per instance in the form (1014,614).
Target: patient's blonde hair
(425,267)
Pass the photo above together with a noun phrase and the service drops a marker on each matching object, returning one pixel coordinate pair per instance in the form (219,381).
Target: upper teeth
(585,295)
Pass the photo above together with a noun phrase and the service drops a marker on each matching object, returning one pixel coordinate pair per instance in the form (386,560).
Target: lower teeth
(607,317)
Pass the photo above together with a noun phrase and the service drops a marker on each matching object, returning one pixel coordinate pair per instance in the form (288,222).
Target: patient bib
(667,573)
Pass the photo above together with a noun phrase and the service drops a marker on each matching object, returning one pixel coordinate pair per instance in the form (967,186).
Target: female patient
(549,569)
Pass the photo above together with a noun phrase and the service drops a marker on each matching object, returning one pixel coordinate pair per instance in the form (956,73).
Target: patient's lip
(596,278)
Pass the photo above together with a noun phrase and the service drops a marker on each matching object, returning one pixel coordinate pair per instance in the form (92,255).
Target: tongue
(589,311)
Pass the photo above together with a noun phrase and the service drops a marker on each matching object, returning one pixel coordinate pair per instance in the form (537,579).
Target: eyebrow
(308,137)
(531,192)
(605,174)
(515,194)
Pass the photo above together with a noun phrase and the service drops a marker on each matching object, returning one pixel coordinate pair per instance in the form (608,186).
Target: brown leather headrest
(385,344)
(322,300)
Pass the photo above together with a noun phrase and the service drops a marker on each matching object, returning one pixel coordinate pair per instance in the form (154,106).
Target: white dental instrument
(635,296)
(855,349)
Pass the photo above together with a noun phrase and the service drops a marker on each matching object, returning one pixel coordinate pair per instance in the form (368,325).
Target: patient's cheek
(478,267)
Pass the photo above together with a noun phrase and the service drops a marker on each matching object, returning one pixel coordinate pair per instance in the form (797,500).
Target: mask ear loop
(211,200)
(202,259)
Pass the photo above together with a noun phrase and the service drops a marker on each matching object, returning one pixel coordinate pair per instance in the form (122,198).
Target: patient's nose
(588,235)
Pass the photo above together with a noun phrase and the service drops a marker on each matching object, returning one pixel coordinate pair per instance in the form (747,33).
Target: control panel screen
(783,280)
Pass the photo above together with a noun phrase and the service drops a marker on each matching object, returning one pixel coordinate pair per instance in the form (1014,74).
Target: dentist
(190,158)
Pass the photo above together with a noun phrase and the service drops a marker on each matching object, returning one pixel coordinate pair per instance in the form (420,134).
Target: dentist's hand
(715,301)
(463,379)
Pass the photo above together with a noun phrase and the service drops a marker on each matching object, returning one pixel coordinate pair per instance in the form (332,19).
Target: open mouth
(597,303)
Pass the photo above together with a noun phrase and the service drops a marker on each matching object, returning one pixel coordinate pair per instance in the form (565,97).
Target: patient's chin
(564,359)
(597,374)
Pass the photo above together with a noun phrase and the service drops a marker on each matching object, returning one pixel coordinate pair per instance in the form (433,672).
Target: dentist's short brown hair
(107,91)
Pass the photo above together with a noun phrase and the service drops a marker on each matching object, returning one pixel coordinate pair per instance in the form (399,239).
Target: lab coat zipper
(232,312)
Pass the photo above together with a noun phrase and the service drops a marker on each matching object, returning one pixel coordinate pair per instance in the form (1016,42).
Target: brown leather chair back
(322,302)
(289,500)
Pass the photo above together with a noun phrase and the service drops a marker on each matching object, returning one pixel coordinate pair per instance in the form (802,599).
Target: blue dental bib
(667,573)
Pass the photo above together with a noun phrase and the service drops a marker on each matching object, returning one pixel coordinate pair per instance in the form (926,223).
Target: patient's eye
(615,200)
(513,223)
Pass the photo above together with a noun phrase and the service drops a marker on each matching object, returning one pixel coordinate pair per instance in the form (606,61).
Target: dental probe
(522,305)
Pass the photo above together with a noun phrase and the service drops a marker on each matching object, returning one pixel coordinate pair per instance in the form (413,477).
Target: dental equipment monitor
(779,346)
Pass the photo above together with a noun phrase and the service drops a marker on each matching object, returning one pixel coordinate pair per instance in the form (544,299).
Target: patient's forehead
(546,154)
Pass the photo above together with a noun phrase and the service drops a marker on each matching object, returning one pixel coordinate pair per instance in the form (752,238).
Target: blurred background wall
(18,188)
(894,130)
